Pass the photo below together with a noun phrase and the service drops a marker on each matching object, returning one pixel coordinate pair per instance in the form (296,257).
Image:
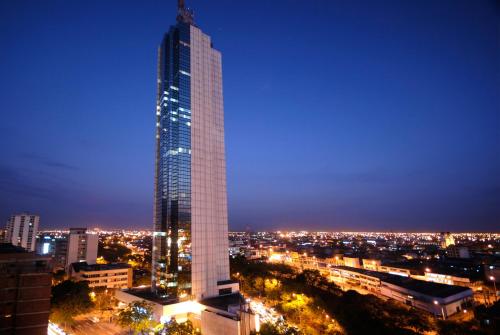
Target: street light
(494,286)
(442,309)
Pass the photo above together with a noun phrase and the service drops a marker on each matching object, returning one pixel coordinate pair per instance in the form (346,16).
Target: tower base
(226,314)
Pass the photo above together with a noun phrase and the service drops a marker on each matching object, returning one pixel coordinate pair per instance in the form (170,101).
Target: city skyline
(362,118)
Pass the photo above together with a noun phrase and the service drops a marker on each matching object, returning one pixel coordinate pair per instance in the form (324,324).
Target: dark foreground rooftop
(146,294)
(83,266)
(7,248)
(222,302)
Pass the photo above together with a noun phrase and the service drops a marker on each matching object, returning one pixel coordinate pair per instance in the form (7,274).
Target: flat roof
(426,287)
(453,267)
(83,266)
(8,248)
(225,282)
(146,294)
(222,302)
(376,274)
(420,286)
(10,253)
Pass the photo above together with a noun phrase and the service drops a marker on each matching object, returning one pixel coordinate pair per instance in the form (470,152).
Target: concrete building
(45,244)
(65,249)
(226,314)
(397,270)
(438,299)
(25,288)
(371,264)
(190,263)
(448,278)
(352,262)
(446,239)
(111,276)
(21,230)
(457,252)
(81,247)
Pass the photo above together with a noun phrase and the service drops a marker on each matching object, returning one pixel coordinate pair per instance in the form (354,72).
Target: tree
(279,328)
(174,328)
(104,299)
(58,277)
(272,288)
(138,317)
(69,299)
(114,252)
(269,329)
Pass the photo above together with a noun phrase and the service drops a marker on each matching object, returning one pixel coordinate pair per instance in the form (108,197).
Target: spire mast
(184,14)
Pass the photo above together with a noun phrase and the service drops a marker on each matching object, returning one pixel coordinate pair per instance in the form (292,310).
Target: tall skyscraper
(190,249)
(190,275)
(21,230)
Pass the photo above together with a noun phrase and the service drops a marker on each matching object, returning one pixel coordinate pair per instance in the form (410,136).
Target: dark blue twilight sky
(353,115)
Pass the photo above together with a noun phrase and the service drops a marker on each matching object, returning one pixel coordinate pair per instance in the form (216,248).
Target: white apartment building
(21,230)
(111,276)
(82,246)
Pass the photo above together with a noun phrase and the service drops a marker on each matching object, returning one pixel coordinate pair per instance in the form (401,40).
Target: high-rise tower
(21,230)
(190,245)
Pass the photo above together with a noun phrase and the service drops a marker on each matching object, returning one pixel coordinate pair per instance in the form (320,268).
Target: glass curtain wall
(171,276)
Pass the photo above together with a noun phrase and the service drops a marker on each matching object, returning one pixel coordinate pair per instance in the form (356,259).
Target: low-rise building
(118,275)
(352,262)
(447,278)
(396,270)
(77,246)
(439,299)
(454,251)
(371,264)
(227,313)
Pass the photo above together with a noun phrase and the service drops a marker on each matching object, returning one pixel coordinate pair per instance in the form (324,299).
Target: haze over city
(338,115)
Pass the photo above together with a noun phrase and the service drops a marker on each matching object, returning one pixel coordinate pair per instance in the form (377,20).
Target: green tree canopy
(138,317)
(113,252)
(69,299)
(185,328)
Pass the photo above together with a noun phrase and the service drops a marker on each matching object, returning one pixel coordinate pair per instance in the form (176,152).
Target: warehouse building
(439,299)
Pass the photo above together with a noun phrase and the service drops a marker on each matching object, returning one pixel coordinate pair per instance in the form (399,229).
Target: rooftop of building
(375,274)
(9,252)
(424,287)
(84,266)
(225,282)
(25,261)
(146,294)
(420,286)
(8,248)
(453,267)
(222,302)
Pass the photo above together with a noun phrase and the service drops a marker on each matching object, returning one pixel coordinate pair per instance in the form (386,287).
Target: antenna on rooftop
(184,14)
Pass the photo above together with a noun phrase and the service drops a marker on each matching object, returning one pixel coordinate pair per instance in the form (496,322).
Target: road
(89,324)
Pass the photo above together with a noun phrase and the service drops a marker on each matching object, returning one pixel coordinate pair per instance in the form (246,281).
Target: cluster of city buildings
(441,273)
(73,251)
(190,278)
(28,259)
